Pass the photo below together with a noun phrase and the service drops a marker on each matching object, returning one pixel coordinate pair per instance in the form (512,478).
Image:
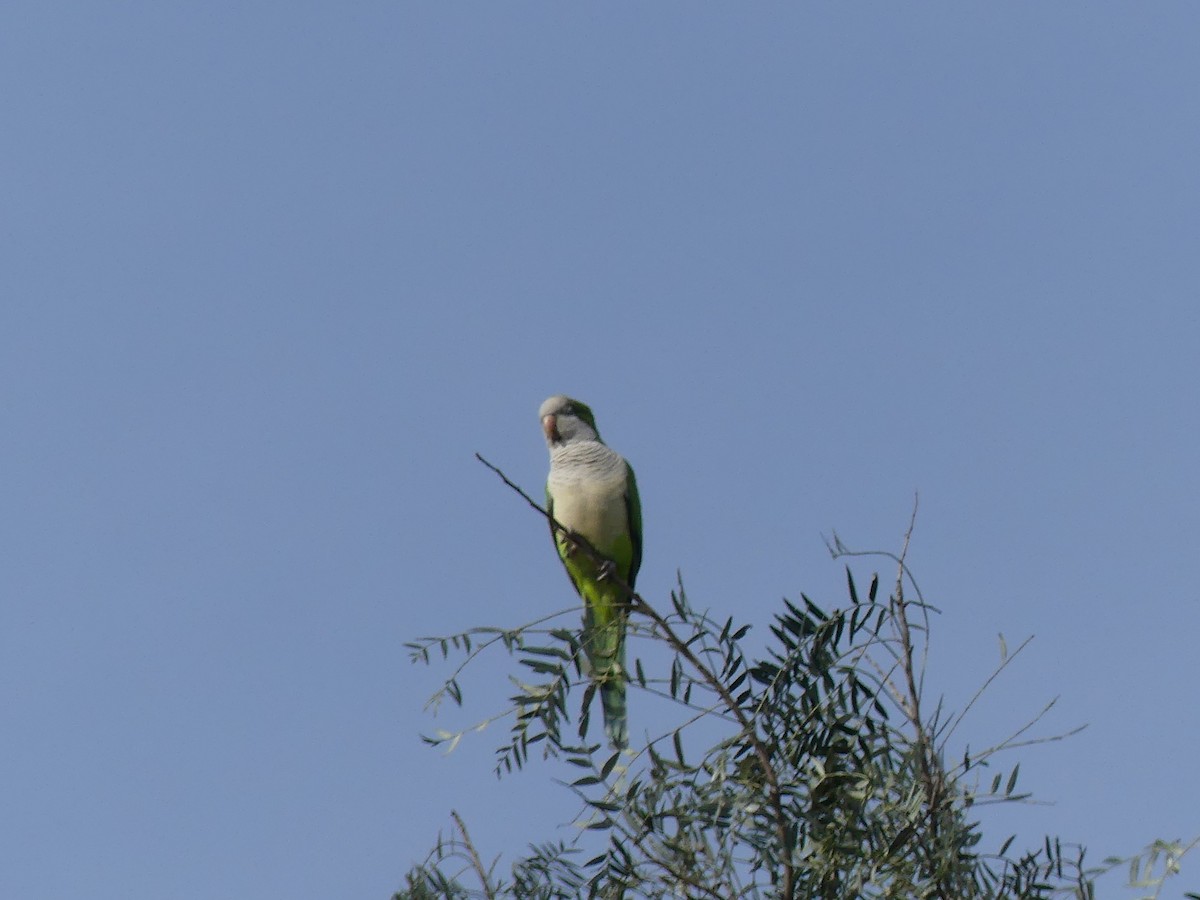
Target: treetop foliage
(813,769)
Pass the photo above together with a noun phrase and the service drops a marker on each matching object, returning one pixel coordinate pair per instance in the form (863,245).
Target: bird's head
(565,420)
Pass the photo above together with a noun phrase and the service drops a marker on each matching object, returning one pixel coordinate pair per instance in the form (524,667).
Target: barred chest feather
(588,484)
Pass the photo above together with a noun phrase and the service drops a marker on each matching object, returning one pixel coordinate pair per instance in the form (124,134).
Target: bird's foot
(607,570)
(570,543)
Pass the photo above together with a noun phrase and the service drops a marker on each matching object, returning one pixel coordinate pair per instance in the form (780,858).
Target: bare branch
(979,693)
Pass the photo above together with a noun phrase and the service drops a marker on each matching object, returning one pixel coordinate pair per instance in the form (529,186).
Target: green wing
(606,609)
(633,508)
(561,545)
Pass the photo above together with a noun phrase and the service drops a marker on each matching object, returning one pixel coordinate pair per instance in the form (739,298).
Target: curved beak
(550,427)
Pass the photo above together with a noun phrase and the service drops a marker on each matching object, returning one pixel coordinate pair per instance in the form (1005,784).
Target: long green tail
(604,643)
(616,723)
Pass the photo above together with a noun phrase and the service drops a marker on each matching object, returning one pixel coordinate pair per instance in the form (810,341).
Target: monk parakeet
(591,491)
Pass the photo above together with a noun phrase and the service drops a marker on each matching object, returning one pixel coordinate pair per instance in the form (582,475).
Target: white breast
(595,510)
(588,487)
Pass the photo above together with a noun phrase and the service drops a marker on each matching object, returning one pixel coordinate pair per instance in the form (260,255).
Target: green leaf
(1012,779)
(548,651)
(902,837)
(814,610)
(607,768)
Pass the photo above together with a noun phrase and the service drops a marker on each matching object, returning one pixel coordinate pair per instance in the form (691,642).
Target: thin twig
(499,635)
(979,693)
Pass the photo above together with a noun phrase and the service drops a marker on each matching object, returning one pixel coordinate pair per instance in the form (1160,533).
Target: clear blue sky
(272,272)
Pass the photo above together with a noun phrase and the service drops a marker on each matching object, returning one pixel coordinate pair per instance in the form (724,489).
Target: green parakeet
(592,492)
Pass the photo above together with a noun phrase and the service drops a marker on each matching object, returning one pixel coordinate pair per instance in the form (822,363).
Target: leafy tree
(821,770)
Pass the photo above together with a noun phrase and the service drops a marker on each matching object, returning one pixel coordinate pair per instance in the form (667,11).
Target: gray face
(554,405)
(565,420)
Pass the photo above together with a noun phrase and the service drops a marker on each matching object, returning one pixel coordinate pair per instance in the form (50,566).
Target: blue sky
(273,272)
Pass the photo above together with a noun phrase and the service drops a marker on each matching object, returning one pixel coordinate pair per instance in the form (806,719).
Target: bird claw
(607,569)
(570,543)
